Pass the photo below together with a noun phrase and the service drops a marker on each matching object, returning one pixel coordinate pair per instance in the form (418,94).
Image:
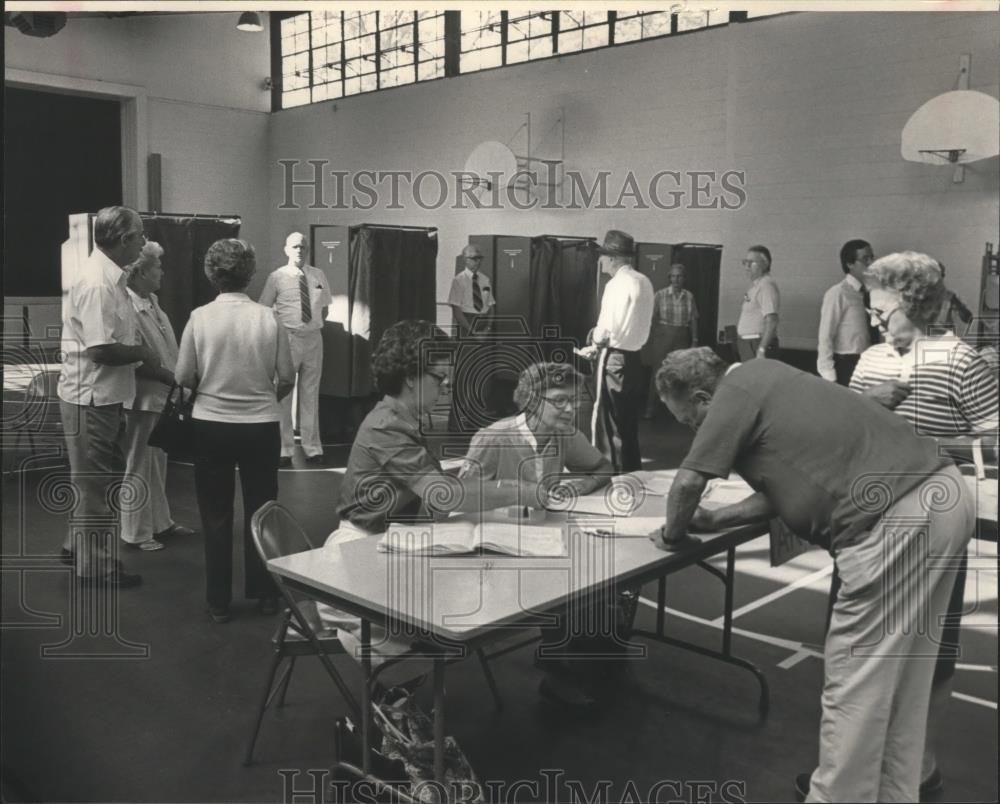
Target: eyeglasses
(881,317)
(441,378)
(562,402)
(475,259)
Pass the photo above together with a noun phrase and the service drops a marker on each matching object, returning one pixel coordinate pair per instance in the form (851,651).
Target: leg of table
(439,720)
(366,695)
(727,616)
(661,602)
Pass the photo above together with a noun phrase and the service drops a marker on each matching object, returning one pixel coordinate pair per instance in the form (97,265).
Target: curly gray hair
(151,252)
(539,378)
(687,370)
(230,264)
(917,279)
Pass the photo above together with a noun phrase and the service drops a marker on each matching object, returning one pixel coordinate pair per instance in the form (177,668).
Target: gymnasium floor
(172,726)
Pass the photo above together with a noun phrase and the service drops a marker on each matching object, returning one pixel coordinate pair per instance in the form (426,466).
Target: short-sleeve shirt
(97,311)
(953,389)
(460,294)
(388,471)
(674,309)
(282,291)
(762,299)
(155,332)
(509,450)
(830,461)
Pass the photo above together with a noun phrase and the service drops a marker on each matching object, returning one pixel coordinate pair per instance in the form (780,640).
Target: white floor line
(977,668)
(974,700)
(800,652)
(788,644)
(805,580)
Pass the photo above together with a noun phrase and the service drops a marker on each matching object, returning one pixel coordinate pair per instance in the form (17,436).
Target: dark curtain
(577,290)
(185,241)
(703,264)
(361,317)
(393,276)
(543,303)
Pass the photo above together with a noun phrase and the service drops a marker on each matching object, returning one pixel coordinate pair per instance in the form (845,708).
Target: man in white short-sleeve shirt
(101,350)
(758,322)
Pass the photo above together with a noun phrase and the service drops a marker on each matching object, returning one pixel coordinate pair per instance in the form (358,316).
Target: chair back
(275,534)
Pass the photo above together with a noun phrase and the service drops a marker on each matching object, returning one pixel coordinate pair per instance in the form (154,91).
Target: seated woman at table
(541,442)
(539,446)
(391,474)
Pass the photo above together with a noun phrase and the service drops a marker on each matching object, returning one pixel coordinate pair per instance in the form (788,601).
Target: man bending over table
(893,512)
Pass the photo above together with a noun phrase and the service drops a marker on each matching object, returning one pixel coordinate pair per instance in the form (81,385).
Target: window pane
(429,70)
(690,20)
(480,60)
(395,37)
(628,30)
(289,25)
(540,48)
(369,82)
(393,19)
(300,22)
(431,50)
(570,42)
(517,52)
(596,36)
(432,28)
(298,98)
(352,86)
(326,92)
(656,23)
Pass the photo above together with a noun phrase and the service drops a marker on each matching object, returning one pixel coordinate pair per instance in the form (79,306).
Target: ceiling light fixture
(250,22)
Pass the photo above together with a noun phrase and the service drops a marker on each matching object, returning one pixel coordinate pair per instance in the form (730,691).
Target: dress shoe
(268,605)
(802,786)
(563,691)
(284,462)
(219,614)
(118,578)
(175,530)
(316,460)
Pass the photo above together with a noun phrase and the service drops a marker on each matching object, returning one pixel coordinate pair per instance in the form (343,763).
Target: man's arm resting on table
(682,502)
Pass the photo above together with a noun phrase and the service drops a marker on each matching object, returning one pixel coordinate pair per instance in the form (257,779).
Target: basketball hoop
(491,165)
(955,128)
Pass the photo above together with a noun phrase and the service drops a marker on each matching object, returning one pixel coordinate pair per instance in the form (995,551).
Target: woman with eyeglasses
(391,475)
(945,389)
(542,447)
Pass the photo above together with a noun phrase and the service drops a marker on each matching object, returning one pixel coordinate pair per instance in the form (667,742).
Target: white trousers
(883,641)
(307,358)
(146,469)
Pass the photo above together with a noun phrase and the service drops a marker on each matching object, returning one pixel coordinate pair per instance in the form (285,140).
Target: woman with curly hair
(391,475)
(231,352)
(945,389)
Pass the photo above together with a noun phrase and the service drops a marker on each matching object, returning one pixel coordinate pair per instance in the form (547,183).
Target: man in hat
(621,331)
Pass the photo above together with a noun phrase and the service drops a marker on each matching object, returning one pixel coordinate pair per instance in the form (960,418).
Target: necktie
(874,336)
(477,293)
(304,298)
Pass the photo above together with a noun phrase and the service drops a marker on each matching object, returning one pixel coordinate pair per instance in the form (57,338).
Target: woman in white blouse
(145,524)
(231,351)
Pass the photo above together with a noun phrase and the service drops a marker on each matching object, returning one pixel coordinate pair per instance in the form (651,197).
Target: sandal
(150,546)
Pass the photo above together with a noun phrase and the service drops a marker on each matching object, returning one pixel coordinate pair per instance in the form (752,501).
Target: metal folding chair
(301,633)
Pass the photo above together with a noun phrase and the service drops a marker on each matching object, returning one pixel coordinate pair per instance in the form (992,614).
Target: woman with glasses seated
(542,447)
(391,475)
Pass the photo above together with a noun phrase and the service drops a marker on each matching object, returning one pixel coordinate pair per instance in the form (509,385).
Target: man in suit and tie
(300,296)
(472,304)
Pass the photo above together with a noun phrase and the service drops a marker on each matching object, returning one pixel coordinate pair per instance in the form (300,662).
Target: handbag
(174,429)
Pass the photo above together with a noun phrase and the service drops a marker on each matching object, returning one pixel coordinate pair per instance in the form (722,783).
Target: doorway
(62,154)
